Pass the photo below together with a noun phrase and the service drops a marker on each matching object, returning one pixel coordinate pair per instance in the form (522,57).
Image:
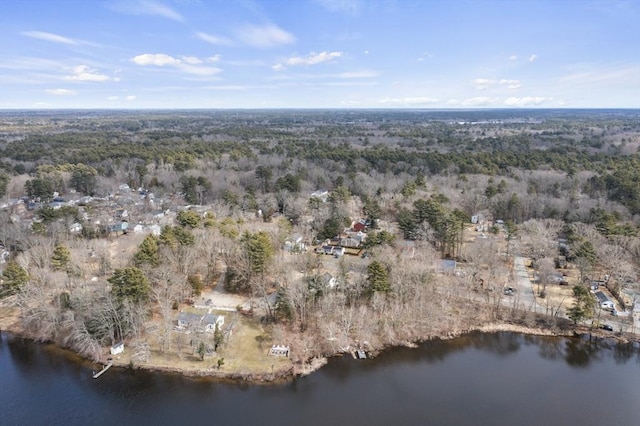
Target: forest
(231,194)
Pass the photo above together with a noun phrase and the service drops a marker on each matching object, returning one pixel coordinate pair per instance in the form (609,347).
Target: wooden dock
(104,370)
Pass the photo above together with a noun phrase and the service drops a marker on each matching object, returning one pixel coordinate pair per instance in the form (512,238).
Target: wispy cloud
(239,87)
(483,83)
(146,7)
(118,98)
(424,56)
(187,64)
(85,73)
(513,57)
(60,92)
(486,83)
(54,38)
(348,75)
(264,36)
(351,7)
(215,40)
(312,58)
(533,57)
(408,101)
(358,74)
(621,75)
(511,84)
(526,101)
(473,102)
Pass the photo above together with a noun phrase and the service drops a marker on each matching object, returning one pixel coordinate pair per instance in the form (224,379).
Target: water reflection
(478,376)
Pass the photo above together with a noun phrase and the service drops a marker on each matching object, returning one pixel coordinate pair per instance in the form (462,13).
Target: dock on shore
(104,370)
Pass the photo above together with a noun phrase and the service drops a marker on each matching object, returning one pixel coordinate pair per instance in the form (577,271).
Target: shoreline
(309,366)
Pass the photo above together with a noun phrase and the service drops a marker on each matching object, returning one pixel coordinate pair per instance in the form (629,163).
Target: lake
(478,379)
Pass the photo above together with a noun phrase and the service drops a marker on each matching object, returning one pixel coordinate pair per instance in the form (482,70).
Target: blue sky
(319,54)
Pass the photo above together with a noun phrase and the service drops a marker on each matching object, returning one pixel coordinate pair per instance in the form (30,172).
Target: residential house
(448,266)
(155,230)
(200,322)
(359,225)
(117,348)
(322,195)
(210,321)
(118,227)
(295,244)
(328,280)
(188,320)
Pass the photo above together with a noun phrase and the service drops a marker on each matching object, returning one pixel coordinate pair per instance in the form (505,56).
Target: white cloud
(264,36)
(238,87)
(312,58)
(483,83)
(60,92)
(351,7)
(117,98)
(533,57)
(84,73)
(418,100)
(212,39)
(146,7)
(191,60)
(479,101)
(513,57)
(511,84)
(55,38)
(526,101)
(157,59)
(366,52)
(187,64)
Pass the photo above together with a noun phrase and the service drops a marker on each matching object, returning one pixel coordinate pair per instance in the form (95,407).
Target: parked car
(606,327)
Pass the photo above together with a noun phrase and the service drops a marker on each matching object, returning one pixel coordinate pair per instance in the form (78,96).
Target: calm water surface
(480,379)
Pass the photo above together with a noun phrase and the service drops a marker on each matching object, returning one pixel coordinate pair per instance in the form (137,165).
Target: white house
(117,348)
(210,321)
(322,195)
(155,230)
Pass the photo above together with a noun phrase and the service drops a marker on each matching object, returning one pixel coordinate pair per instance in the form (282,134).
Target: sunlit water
(480,379)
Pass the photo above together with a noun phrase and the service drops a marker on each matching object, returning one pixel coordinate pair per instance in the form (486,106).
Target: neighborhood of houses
(139,211)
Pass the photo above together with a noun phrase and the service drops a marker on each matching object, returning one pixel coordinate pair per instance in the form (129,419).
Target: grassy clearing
(247,348)
(245,351)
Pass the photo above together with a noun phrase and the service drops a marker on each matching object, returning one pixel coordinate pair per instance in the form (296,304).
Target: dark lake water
(479,379)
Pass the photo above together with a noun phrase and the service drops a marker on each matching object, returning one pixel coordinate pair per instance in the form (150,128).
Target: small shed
(279,350)
(117,349)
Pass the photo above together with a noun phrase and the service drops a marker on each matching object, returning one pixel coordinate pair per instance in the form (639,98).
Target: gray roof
(189,318)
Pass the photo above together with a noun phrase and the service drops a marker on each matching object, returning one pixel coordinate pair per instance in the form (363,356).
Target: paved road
(525,294)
